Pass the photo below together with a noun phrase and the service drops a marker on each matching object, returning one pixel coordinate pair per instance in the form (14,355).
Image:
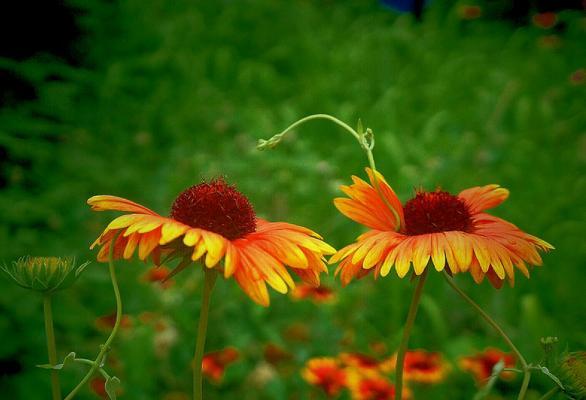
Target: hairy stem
(51,348)
(499,330)
(106,346)
(209,281)
(406,333)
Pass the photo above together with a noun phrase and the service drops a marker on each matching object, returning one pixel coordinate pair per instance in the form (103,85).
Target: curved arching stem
(106,346)
(524,366)
(365,140)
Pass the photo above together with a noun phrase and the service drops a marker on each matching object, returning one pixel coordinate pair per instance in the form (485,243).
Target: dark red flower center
(216,207)
(438,211)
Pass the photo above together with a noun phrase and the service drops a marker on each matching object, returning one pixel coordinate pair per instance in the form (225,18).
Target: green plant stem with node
(524,366)
(97,363)
(365,139)
(51,347)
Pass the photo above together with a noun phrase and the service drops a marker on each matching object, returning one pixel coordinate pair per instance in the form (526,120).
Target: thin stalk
(406,333)
(51,348)
(209,281)
(106,346)
(550,394)
(363,142)
(499,330)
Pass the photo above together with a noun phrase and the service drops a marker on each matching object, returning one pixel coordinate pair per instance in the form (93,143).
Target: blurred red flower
(214,363)
(480,365)
(318,295)
(326,373)
(423,366)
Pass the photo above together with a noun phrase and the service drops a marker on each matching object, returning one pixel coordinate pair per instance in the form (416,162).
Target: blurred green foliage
(169,93)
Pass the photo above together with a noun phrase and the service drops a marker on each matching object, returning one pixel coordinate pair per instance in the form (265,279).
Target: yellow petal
(215,246)
(191,237)
(171,231)
(438,255)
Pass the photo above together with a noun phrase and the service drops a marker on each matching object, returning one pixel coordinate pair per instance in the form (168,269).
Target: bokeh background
(142,99)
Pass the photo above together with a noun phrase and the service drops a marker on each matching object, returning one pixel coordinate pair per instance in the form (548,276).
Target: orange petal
(106,202)
(482,198)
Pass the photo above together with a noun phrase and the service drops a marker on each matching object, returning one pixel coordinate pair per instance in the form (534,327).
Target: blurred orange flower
(98,386)
(319,295)
(158,273)
(481,364)
(373,388)
(216,220)
(467,11)
(213,364)
(423,367)
(545,20)
(578,77)
(274,354)
(326,373)
(452,231)
(106,322)
(364,363)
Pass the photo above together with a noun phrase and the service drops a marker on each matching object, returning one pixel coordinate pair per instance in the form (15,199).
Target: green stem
(550,394)
(51,348)
(496,327)
(106,346)
(362,140)
(406,333)
(209,281)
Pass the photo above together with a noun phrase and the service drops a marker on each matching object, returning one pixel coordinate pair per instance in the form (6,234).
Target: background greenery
(164,94)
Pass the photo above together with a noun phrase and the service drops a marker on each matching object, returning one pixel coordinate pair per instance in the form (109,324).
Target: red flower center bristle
(438,211)
(216,207)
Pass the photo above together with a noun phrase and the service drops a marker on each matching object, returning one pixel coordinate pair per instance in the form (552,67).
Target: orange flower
(319,295)
(106,322)
(275,354)
(158,273)
(98,386)
(423,366)
(467,11)
(213,365)
(375,387)
(545,20)
(480,365)
(453,232)
(215,220)
(326,373)
(363,363)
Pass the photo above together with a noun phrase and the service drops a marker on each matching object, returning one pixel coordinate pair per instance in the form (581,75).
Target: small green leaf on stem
(112,385)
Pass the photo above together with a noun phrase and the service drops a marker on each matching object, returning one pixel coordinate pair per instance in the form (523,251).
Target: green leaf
(67,360)
(111,386)
(554,378)
(359,127)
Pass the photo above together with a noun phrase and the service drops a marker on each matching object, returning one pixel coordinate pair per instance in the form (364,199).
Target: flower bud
(44,274)
(572,373)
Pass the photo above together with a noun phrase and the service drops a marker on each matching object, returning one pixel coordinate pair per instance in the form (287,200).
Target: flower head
(326,373)
(213,365)
(480,365)
(213,222)
(452,231)
(572,372)
(44,274)
(423,366)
